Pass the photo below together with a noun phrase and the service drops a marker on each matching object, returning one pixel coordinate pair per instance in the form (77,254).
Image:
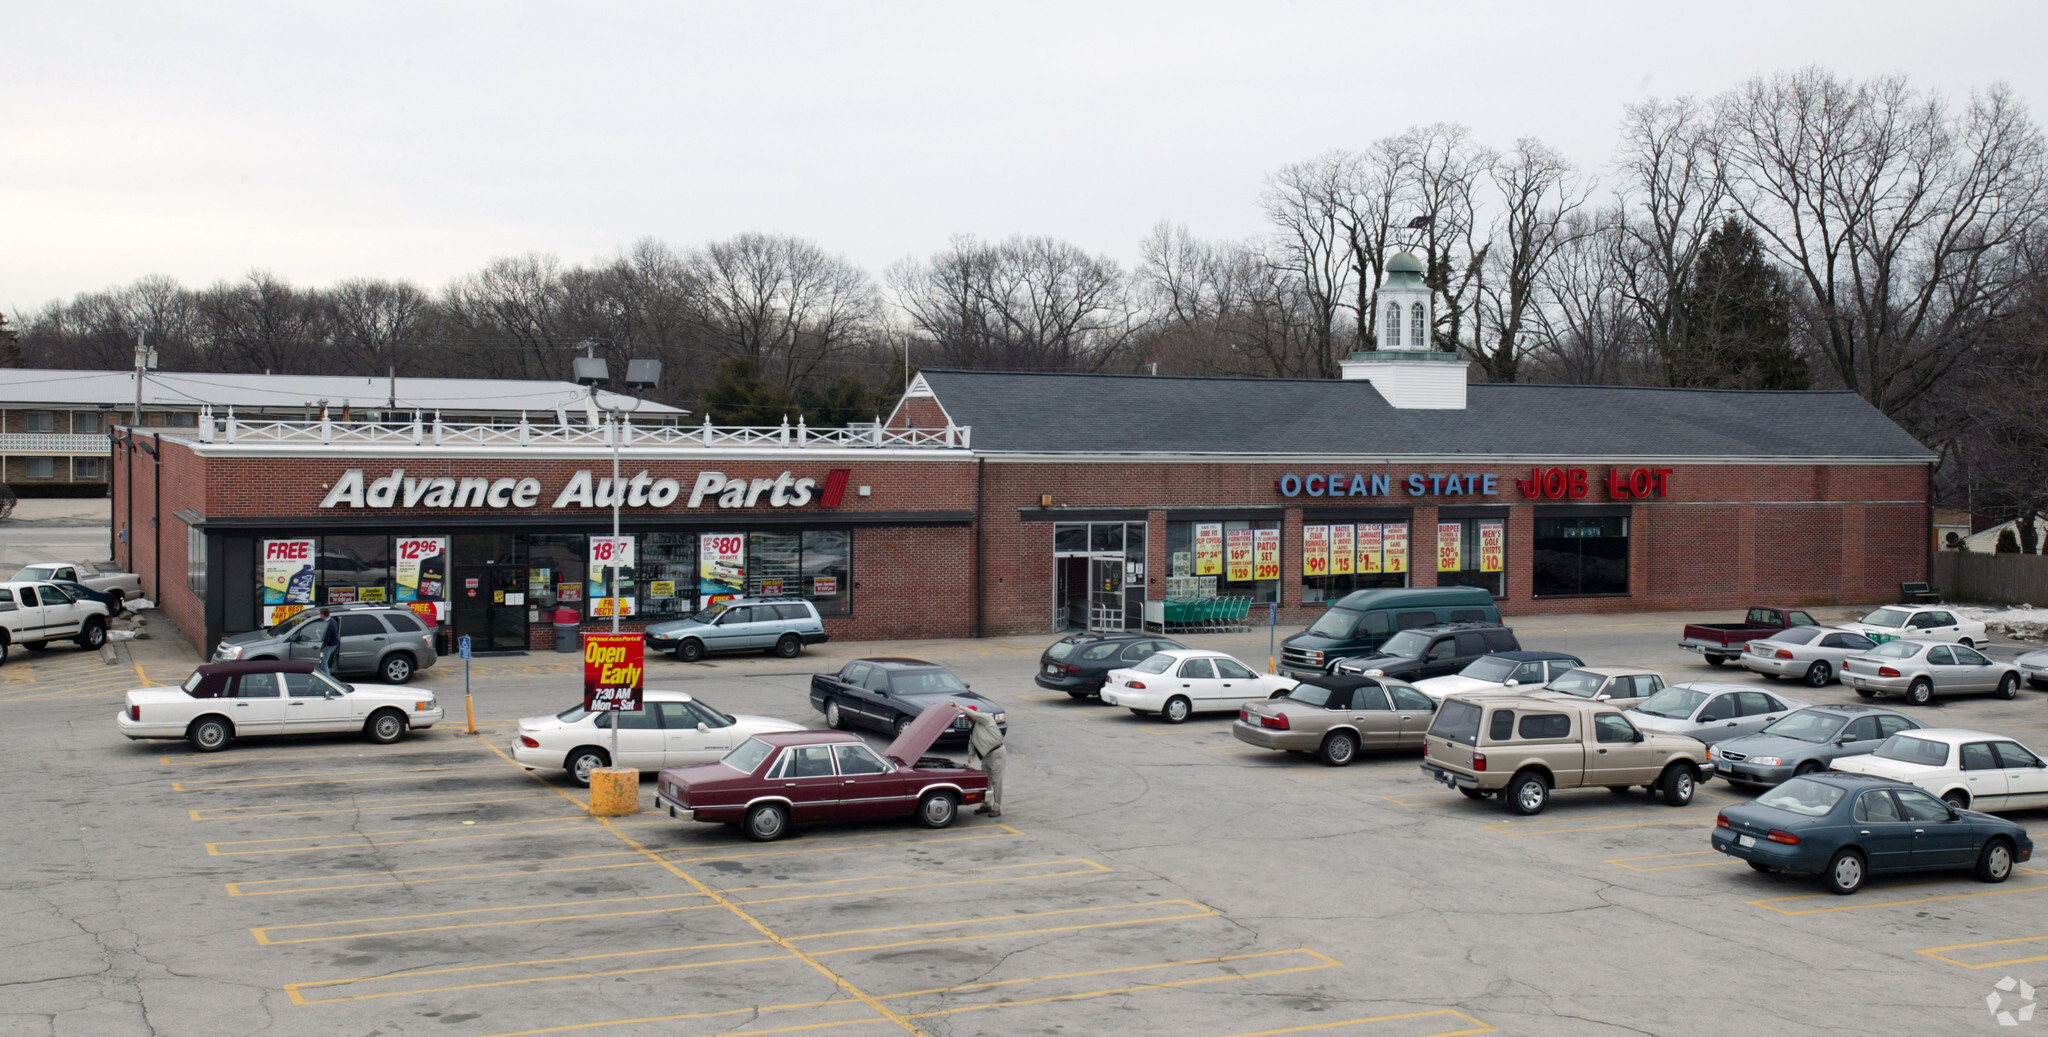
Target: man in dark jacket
(330,642)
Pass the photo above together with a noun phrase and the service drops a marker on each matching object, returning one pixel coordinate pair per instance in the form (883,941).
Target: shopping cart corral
(1198,615)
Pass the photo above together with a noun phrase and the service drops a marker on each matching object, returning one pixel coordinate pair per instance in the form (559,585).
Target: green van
(1362,621)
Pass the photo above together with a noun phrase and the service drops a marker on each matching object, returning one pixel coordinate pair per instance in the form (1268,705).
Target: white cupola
(1407,369)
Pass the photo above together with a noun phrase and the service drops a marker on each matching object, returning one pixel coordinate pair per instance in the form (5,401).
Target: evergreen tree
(739,396)
(2008,544)
(10,346)
(1736,315)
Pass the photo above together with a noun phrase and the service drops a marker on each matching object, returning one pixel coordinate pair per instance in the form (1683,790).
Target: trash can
(568,631)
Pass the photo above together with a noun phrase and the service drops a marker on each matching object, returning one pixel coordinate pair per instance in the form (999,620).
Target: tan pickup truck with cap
(1524,746)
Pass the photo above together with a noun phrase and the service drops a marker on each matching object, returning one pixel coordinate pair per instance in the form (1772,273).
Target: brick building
(1002,503)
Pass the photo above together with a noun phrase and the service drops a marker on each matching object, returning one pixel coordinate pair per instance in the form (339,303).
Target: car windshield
(1332,623)
(1887,618)
(705,707)
(1491,668)
(708,614)
(1405,644)
(1578,682)
(1908,749)
(1060,650)
(1673,703)
(192,683)
(1808,726)
(1159,663)
(1803,796)
(925,682)
(36,572)
(1309,695)
(747,755)
(1896,650)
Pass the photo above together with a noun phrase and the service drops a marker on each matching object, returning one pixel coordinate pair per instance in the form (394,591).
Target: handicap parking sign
(462,646)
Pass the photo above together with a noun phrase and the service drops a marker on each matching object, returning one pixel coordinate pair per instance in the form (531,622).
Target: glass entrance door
(490,606)
(1106,593)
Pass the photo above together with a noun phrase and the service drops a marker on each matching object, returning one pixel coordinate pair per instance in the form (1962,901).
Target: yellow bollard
(614,792)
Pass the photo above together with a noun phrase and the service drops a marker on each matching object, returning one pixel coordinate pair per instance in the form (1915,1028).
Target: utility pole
(141,356)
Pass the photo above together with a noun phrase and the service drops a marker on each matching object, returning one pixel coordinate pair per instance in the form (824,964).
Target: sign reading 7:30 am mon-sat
(613,665)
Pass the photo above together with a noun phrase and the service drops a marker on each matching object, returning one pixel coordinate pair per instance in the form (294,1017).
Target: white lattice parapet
(423,431)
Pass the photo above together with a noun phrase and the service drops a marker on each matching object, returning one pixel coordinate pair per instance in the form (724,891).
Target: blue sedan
(1844,827)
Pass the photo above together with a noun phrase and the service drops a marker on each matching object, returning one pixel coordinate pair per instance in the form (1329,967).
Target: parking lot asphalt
(1144,879)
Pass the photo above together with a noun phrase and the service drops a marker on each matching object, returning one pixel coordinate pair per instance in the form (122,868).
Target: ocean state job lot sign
(613,665)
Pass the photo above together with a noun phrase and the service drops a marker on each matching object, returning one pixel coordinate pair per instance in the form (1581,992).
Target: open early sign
(613,665)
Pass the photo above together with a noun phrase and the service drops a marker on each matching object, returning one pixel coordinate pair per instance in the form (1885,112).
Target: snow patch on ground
(2024,622)
(127,635)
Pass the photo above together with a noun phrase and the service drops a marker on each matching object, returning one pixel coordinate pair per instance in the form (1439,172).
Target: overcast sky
(421,140)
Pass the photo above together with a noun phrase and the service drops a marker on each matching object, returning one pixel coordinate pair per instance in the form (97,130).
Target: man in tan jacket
(985,753)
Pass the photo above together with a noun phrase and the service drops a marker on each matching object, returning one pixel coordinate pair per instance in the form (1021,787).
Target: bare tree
(1440,179)
(506,320)
(782,303)
(1025,303)
(1540,195)
(1306,204)
(1671,197)
(1586,326)
(373,320)
(262,323)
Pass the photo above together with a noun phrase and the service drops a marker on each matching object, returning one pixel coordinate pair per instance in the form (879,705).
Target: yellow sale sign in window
(1268,554)
(1394,544)
(1315,550)
(1343,549)
(1449,545)
(1369,548)
(1239,556)
(1492,546)
(1209,548)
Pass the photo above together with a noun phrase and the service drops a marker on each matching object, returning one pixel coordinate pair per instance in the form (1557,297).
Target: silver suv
(780,625)
(389,643)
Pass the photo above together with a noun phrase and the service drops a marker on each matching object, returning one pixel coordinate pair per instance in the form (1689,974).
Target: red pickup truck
(1720,642)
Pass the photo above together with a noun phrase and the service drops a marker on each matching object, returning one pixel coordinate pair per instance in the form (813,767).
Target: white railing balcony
(53,443)
(432,431)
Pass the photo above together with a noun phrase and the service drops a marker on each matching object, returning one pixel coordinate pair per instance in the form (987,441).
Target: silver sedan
(2034,667)
(1920,670)
(1712,711)
(1811,654)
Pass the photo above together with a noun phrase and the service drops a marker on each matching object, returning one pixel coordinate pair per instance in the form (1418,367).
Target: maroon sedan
(771,780)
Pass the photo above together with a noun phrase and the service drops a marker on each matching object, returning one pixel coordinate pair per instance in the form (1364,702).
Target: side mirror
(1953,813)
(1511,682)
(331,693)
(702,727)
(1602,697)
(1639,736)
(1709,718)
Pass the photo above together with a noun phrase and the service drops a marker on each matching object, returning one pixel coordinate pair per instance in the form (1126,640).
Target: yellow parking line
(308,808)
(265,934)
(294,990)
(1770,903)
(316,778)
(993,830)
(1939,953)
(245,889)
(1322,962)
(1091,868)
(1629,862)
(1646,818)
(1431,799)
(349,841)
(764,1009)
(1199,911)
(994,984)
(1475,1026)
(401,754)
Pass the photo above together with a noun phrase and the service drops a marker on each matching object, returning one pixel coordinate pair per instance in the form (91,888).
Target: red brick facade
(1724,535)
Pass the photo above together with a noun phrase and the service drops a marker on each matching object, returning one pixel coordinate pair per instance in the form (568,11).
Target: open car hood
(922,732)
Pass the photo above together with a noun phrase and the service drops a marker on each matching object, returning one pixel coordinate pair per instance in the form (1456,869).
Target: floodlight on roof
(643,374)
(591,370)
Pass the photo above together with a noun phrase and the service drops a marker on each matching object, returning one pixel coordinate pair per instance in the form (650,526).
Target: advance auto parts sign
(713,489)
(612,667)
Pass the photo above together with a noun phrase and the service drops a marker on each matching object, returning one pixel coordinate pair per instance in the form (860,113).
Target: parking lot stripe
(1322,961)
(844,843)
(1941,953)
(268,935)
(405,754)
(325,806)
(1770,903)
(296,990)
(318,778)
(994,984)
(248,888)
(349,841)
(1719,860)
(1528,828)
(1199,911)
(1473,1025)
(1088,867)
(762,1010)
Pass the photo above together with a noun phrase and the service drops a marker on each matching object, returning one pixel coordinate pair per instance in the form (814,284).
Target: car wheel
(901,723)
(1956,798)
(2009,688)
(790,646)
(117,603)
(832,718)
(1921,692)
(1808,767)
(385,726)
(937,810)
(93,635)
(1844,874)
(1760,867)
(1819,674)
(4,646)
(1966,642)
(1865,693)
(1995,863)
(1340,748)
(210,734)
(1473,793)
(1677,784)
(766,823)
(397,668)
(1714,660)
(581,762)
(691,650)
(1526,794)
(1177,710)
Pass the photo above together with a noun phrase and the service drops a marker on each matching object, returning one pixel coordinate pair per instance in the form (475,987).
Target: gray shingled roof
(1121,414)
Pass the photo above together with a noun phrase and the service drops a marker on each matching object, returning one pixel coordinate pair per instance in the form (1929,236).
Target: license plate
(1745,841)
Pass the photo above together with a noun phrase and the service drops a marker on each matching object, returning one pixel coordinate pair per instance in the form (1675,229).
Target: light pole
(640,374)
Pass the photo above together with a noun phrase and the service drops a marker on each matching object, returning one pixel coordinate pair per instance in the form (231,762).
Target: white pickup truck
(113,583)
(221,702)
(34,614)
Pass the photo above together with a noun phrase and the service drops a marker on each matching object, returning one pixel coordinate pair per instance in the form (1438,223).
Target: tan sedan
(1337,715)
(1618,686)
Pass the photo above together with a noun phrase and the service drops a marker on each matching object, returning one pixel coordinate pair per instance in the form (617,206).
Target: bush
(2008,542)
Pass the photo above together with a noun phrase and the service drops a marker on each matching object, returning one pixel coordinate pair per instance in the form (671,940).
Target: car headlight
(1767,761)
(1001,717)
(1375,673)
(231,651)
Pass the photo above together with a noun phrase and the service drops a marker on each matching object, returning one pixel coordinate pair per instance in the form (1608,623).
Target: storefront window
(668,574)
(554,567)
(774,564)
(828,570)
(1472,553)
(1223,559)
(354,568)
(1581,555)
(1340,557)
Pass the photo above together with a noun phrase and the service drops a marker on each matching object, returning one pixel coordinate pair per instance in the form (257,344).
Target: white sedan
(1969,769)
(674,729)
(1921,624)
(222,702)
(1181,682)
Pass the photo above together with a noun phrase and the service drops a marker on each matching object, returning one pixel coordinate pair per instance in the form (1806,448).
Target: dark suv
(1432,651)
(1077,664)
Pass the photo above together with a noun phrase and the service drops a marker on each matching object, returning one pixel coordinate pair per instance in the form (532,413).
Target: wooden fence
(2009,579)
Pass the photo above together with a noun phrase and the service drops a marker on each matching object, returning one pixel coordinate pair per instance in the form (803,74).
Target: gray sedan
(1920,670)
(1812,654)
(1806,741)
(2034,667)
(1711,711)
